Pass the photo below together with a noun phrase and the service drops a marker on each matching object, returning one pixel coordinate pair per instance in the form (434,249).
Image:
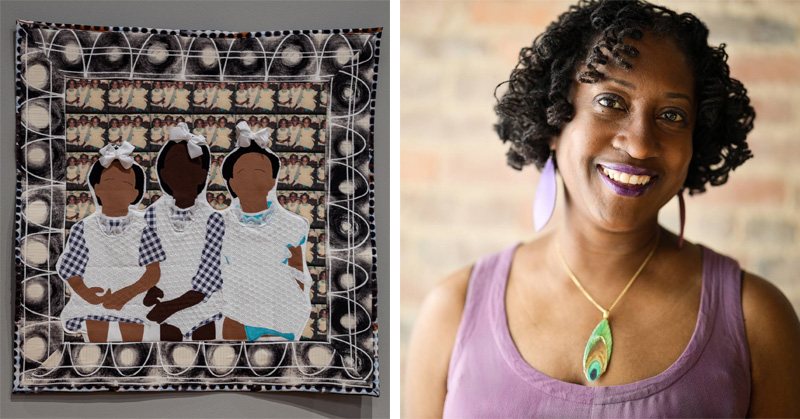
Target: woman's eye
(673,116)
(609,102)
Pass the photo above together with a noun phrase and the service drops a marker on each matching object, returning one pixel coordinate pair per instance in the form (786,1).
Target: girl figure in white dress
(282,133)
(71,212)
(114,133)
(211,129)
(284,98)
(265,103)
(85,206)
(180,98)
(71,93)
(185,301)
(73,172)
(252,94)
(83,169)
(296,93)
(127,128)
(96,134)
(305,173)
(266,280)
(294,132)
(169,93)
(157,133)
(102,262)
(291,170)
(94,99)
(292,203)
(83,92)
(308,101)
(323,97)
(305,209)
(199,127)
(222,135)
(216,175)
(157,95)
(321,171)
(115,95)
(222,98)
(211,94)
(83,130)
(200,96)
(242,98)
(306,137)
(138,100)
(127,93)
(72,135)
(139,133)
(321,208)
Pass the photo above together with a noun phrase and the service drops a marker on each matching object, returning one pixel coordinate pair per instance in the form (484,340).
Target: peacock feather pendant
(598,351)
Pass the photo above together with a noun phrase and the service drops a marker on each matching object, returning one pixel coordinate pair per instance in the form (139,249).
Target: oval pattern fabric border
(80,88)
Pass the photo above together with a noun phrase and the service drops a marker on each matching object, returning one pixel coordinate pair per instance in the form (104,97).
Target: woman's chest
(649,333)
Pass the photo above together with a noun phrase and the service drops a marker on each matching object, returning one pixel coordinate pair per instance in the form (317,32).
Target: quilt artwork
(195,210)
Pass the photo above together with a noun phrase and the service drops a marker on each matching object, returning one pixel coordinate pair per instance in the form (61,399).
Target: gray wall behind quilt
(219,15)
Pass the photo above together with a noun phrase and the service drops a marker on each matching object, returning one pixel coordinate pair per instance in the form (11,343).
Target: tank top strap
(725,288)
(480,307)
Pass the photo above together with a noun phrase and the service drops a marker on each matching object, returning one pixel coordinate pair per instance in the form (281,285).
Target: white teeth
(625,177)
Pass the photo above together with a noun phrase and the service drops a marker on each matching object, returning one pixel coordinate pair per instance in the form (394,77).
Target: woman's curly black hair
(534,109)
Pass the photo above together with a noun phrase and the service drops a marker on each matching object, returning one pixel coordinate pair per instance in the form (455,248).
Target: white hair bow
(109,153)
(193,142)
(261,137)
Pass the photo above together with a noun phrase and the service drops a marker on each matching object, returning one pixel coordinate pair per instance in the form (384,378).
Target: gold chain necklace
(597,354)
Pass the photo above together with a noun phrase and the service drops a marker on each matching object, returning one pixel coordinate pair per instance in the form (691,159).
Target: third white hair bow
(109,153)
(193,142)
(261,137)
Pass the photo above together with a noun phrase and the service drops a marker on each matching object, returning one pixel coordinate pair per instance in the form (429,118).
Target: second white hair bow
(193,142)
(261,137)
(109,153)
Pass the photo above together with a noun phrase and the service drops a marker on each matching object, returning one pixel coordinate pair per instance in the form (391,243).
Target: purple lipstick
(623,188)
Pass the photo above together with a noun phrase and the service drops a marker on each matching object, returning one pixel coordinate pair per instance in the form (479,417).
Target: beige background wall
(459,200)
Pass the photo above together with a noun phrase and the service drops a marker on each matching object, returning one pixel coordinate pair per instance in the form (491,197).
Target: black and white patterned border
(47,53)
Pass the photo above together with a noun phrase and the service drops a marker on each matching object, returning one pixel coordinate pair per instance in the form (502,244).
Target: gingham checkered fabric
(208,278)
(74,260)
(113,226)
(150,249)
(74,325)
(213,318)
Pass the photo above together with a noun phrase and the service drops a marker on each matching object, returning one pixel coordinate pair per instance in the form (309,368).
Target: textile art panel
(195,210)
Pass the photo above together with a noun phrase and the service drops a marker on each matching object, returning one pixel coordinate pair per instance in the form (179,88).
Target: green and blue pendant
(598,351)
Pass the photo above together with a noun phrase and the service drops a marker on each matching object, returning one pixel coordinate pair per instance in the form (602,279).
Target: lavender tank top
(489,378)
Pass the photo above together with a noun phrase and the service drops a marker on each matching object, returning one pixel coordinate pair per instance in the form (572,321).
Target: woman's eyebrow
(622,82)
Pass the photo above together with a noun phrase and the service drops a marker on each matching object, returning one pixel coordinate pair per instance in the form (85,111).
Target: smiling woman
(631,106)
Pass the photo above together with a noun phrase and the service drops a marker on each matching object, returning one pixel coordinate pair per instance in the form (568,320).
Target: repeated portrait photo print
(195,210)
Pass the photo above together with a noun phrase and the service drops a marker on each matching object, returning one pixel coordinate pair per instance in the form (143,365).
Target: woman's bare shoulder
(773,335)
(431,345)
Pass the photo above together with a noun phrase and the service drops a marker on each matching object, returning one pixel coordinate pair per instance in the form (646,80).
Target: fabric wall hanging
(195,210)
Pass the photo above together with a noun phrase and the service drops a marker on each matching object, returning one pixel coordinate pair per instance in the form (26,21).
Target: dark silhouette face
(252,176)
(182,174)
(117,186)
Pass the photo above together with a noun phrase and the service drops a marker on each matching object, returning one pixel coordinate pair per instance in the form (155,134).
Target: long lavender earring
(682,206)
(545,200)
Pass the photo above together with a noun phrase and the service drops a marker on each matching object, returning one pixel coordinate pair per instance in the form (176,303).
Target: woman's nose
(637,137)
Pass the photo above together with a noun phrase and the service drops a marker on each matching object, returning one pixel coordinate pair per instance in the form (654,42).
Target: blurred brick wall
(459,200)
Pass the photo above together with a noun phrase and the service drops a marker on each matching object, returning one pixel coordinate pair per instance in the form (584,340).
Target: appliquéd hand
(296,261)
(153,295)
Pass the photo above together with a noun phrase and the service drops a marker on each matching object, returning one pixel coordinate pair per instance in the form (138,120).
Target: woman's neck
(599,258)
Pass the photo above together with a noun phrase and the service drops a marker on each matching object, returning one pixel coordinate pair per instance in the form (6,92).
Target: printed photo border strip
(348,59)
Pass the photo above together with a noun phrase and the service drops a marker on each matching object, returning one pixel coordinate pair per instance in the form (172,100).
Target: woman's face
(71,200)
(304,160)
(157,123)
(283,123)
(95,122)
(643,119)
(306,123)
(71,122)
(114,123)
(221,199)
